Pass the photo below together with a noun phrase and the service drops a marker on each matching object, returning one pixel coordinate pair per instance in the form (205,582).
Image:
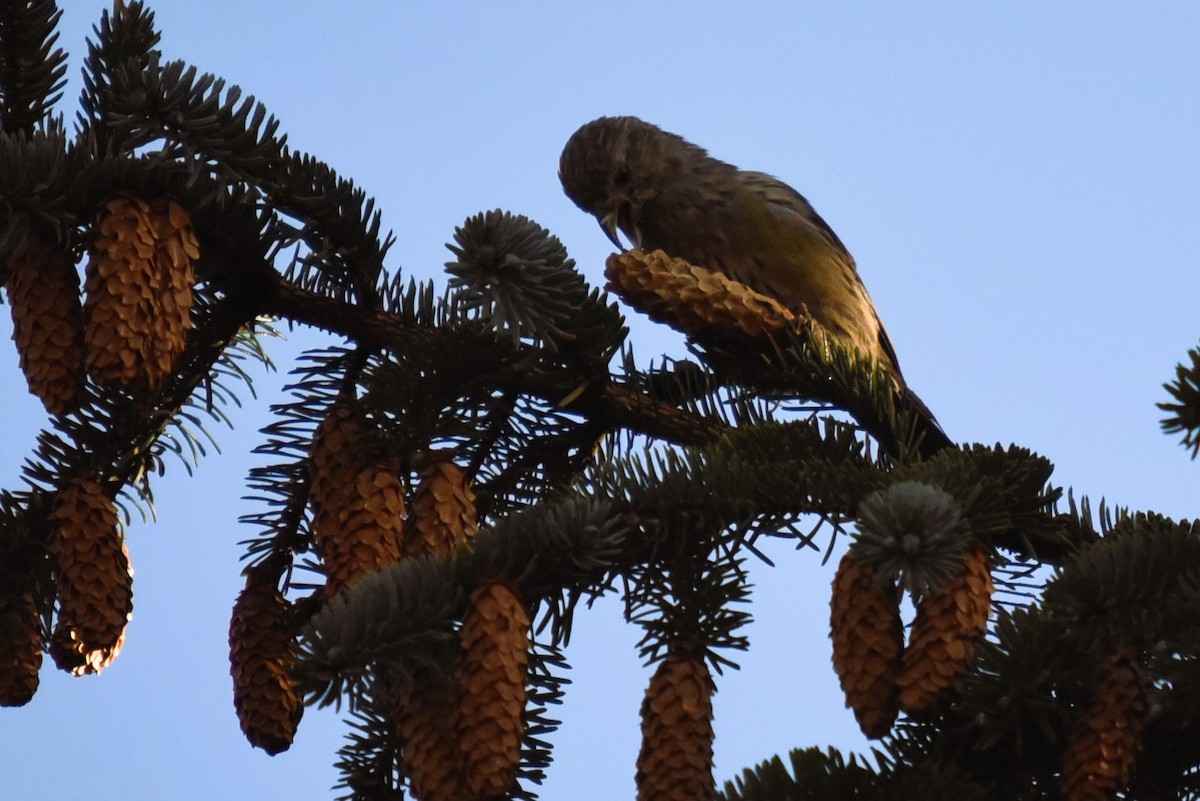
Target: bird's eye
(621,178)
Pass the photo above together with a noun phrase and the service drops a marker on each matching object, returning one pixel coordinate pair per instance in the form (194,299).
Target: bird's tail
(925,434)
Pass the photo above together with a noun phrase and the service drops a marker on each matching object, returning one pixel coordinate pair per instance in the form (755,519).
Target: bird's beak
(608,224)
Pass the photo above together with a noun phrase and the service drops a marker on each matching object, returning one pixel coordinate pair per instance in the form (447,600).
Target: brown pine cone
(947,627)
(123,287)
(676,759)
(262,661)
(94,579)
(358,505)
(427,721)
(1107,734)
(43,291)
(175,252)
(695,301)
(443,511)
(139,291)
(427,718)
(868,638)
(495,643)
(367,533)
(336,452)
(20,648)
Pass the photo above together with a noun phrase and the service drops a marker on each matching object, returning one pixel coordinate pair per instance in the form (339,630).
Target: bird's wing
(795,213)
(786,202)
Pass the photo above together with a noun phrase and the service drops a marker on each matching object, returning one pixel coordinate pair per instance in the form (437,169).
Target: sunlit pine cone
(43,291)
(366,535)
(868,638)
(427,721)
(176,251)
(676,759)
(20,648)
(690,299)
(262,662)
(93,576)
(495,647)
(945,632)
(443,511)
(1107,734)
(123,287)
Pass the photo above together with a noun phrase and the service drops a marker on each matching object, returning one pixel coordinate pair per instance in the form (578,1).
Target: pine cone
(495,642)
(676,759)
(944,633)
(365,535)
(358,506)
(1107,735)
(20,648)
(43,290)
(122,295)
(175,252)
(337,452)
(868,638)
(690,299)
(94,579)
(427,720)
(139,291)
(443,511)
(262,660)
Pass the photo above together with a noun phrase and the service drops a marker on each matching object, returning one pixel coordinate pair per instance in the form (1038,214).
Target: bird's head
(611,167)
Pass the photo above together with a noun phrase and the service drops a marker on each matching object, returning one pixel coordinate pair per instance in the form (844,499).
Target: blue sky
(1020,187)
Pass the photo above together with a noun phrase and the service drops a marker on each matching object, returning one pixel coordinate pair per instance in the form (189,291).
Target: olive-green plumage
(665,193)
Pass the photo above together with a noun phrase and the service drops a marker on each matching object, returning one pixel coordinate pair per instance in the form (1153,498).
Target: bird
(665,193)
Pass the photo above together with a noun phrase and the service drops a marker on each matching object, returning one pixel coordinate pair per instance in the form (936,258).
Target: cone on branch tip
(1107,734)
(868,639)
(367,533)
(43,293)
(945,631)
(676,758)
(358,504)
(139,291)
(495,661)
(443,510)
(93,576)
(427,721)
(690,299)
(427,715)
(262,662)
(20,648)
(175,254)
(337,451)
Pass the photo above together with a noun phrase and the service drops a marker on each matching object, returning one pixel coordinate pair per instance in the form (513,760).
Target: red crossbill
(665,193)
